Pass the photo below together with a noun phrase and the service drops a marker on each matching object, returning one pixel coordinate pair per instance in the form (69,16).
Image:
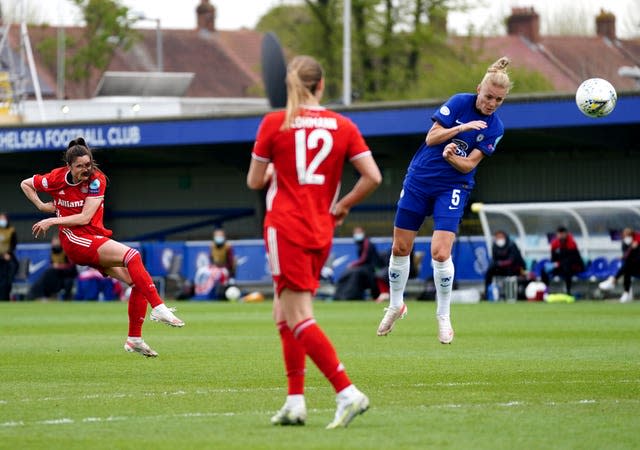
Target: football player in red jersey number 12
(300,153)
(77,190)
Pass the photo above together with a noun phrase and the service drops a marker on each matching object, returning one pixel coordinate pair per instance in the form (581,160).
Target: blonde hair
(303,76)
(497,74)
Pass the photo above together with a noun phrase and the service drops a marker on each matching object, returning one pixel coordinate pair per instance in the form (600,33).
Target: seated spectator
(223,270)
(360,274)
(506,260)
(210,283)
(630,265)
(222,254)
(57,278)
(93,285)
(8,260)
(566,260)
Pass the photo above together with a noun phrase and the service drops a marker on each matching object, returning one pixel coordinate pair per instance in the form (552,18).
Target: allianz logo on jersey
(68,204)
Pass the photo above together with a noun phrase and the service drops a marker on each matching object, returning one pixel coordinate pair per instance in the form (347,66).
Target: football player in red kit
(78,191)
(299,153)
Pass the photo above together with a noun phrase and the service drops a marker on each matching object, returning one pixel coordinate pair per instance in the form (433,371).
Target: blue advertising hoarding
(469,256)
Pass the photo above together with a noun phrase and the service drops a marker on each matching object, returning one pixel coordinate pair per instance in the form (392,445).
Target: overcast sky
(234,14)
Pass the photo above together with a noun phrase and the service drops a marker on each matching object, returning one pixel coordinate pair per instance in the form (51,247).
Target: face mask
(358,237)
(501,242)
(218,240)
(3,223)
(628,240)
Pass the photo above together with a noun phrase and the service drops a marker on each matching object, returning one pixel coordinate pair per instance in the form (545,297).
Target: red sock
(141,278)
(294,359)
(137,311)
(321,351)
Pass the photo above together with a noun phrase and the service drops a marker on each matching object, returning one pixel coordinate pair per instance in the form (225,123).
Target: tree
(400,48)
(108,25)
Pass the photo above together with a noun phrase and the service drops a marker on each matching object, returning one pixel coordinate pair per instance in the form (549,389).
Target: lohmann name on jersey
(328,123)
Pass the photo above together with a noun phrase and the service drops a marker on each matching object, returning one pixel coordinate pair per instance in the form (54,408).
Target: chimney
(524,22)
(206,16)
(606,25)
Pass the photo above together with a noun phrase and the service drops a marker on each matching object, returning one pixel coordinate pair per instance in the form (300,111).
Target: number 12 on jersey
(307,173)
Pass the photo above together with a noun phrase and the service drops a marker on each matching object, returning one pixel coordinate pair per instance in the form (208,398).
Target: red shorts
(82,249)
(292,266)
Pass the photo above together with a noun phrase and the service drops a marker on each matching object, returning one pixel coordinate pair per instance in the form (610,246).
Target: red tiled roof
(225,63)
(565,61)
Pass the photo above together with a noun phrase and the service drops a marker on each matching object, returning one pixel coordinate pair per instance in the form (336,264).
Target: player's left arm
(260,173)
(91,205)
(462,164)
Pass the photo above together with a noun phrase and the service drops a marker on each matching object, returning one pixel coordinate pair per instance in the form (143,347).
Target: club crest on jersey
(461,147)
(84,189)
(94,186)
(444,110)
(45,183)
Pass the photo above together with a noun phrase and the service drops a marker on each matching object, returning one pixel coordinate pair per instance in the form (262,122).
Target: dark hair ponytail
(76,148)
(77,141)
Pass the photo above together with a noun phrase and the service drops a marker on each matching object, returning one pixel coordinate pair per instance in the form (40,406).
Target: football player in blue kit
(438,183)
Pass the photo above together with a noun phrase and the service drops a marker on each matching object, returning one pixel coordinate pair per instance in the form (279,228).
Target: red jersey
(68,198)
(308,160)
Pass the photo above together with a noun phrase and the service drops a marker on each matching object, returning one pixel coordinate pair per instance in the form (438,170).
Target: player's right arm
(32,194)
(261,168)
(439,134)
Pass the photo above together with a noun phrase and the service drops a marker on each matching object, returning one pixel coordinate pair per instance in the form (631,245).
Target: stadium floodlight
(140,16)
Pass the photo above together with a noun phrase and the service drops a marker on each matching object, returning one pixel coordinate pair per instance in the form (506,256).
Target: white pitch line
(188,415)
(110,396)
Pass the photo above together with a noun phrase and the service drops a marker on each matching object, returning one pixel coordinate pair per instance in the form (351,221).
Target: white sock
(296,400)
(161,308)
(136,339)
(398,276)
(443,273)
(348,392)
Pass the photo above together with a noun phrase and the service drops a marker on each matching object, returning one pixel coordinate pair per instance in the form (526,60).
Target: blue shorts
(445,204)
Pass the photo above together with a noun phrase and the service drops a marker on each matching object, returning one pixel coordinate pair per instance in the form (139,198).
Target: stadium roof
(374,120)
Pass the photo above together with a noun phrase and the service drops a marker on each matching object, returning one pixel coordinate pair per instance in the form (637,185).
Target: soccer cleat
(290,415)
(627,297)
(140,347)
(608,284)
(391,314)
(445,331)
(348,408)
(166,316)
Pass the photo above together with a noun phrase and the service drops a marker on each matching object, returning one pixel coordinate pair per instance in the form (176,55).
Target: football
(232,293)
(596,97)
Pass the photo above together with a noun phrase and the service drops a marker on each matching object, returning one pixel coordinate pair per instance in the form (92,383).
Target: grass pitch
(527,376)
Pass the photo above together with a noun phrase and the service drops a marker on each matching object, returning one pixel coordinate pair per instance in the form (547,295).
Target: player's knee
(440,255)
(400,248)
(130,255)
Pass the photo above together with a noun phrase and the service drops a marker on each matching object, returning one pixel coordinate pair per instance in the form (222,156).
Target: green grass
(526,376)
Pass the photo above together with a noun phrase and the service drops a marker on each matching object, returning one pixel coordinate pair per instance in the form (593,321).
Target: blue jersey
(429,169)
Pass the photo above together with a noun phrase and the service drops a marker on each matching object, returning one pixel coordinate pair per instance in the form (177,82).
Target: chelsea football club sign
(31,139)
